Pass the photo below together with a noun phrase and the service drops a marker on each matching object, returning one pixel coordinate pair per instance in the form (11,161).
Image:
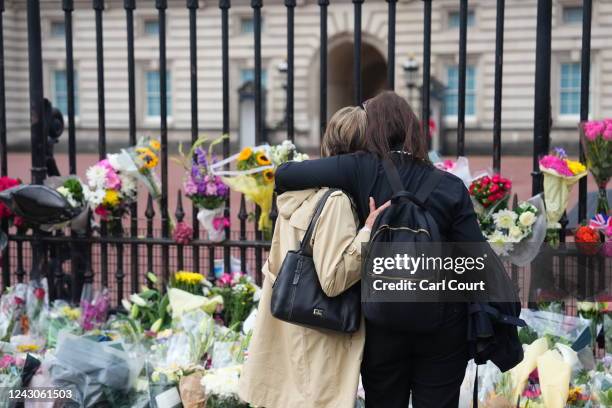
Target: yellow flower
(268,176)
(574,394)
(245,154)
(25,348)
(111,198)
(262,159)
(154,144)
(191,278)
(575,166)
(147,157)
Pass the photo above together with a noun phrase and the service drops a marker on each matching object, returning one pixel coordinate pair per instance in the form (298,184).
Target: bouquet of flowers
(597,142)
(490,193)
(207,191)
(240,295)
(10,377)
(221,387)
(505,228)
(149,308)
(587,240)
(460,168)
(144,158)
(112,183)
(254,175)
(191,282)
(95,312)
(109,189)
(560,175)
(71,188)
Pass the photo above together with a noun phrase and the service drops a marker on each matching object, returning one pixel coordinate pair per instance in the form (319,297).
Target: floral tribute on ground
(186,345)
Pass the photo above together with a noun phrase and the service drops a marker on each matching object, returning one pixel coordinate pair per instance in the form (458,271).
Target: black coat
(362,176)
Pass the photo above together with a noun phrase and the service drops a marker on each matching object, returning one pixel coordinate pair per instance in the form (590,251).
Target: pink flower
(593,128)
(607,134)
(106,164)
(183,233)
(113,181)
(211,189)
(190,187)
(225,280)
(555,163)
(7,360)
(220,223)
(102,212)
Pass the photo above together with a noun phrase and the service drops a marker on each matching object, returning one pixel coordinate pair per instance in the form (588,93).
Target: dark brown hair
(392,125)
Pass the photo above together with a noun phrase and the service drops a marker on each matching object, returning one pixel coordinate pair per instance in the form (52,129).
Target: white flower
(500,243)
(504,218)
(126,304)
(586,306)
(515,234)
(137,300)
(93,197)
(527,219)
(96,177)
(128,185)
(222,382)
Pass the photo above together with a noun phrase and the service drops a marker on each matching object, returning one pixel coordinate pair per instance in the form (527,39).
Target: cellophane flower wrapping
(214,222)
(221,387)
(91,369)
(254,176)
(560,175)
(145,158)
(94,312)
(71,188)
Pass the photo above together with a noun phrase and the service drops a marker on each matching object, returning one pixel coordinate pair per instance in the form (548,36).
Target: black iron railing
(97,254)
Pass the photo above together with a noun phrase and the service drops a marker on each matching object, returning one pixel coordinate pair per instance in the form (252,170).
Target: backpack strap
(305,246)
(496,314)
(429,183)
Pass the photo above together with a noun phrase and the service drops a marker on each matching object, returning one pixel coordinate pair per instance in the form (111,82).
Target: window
(58,29)
(569,88)
(572,14)
(151,28)
(452,91)
(246,25)
(248,74)
(453,19)
(153,94)
(60,92)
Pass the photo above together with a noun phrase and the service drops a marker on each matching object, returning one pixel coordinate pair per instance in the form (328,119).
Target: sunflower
(154,144)
(262,159)
(268,175)
(147,157)
(111,198)
(245,154)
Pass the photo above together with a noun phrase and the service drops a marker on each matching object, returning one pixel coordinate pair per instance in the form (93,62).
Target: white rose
(515,233)
(585,306)
(527,219)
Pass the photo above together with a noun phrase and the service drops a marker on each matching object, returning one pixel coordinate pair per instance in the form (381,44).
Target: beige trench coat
(289,366)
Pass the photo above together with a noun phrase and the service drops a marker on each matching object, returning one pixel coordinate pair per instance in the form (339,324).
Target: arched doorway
(340,73)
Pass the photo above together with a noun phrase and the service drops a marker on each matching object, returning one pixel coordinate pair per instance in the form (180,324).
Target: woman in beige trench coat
(290,366)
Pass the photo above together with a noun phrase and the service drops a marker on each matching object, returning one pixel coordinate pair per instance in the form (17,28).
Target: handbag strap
(305,246)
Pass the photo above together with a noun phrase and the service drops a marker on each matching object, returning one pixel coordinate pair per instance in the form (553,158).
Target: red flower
(587,240)
(5,184)
(39,293)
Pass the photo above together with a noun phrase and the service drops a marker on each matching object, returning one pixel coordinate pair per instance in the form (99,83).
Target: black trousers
(430,366)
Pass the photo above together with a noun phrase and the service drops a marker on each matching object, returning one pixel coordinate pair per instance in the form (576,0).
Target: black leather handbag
(297,296)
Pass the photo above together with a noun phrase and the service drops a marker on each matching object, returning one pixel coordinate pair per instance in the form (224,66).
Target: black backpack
(492,327)
(406,221)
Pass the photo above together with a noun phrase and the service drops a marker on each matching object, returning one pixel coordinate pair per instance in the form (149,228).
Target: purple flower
(559,151)
(200,157)
(211,189)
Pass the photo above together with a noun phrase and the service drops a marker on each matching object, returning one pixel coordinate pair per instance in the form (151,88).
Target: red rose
(486,180)
(39,293)
(496,178)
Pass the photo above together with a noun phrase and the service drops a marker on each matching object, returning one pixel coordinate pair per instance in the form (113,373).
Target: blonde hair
(345,132)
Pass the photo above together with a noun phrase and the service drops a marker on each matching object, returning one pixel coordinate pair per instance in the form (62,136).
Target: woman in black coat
(399,363)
